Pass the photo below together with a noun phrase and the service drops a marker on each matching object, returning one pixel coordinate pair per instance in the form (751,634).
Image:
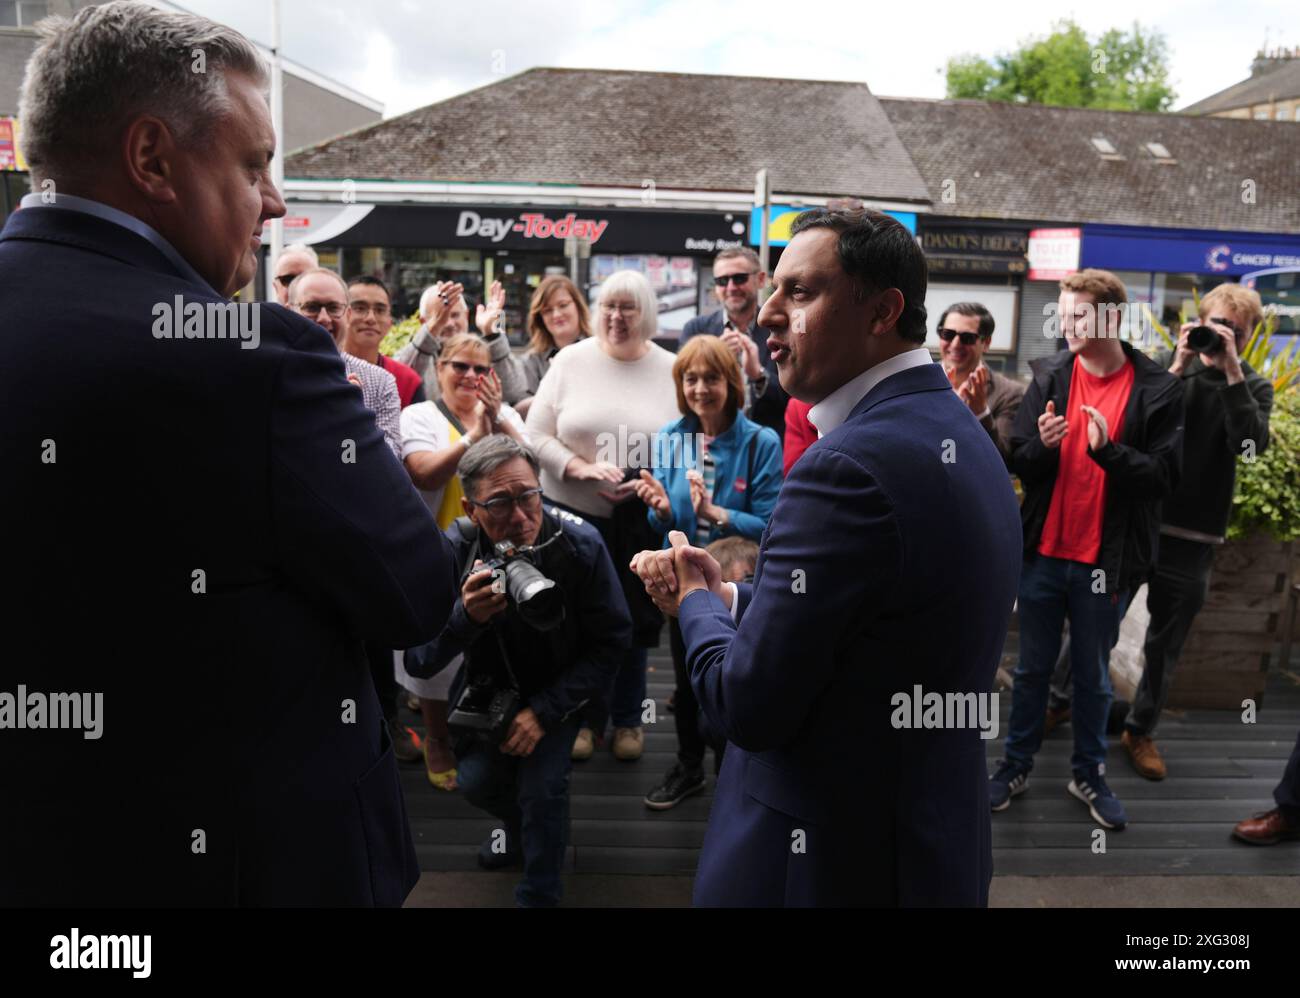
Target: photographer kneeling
(542,624)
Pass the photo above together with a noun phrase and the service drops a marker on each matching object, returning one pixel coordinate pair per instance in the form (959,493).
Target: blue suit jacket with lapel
(217,533)
(891,561)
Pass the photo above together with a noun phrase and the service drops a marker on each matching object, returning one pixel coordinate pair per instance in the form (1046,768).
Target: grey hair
(296,284)
(303,250)
(630,284)
(488,454)
(92,73)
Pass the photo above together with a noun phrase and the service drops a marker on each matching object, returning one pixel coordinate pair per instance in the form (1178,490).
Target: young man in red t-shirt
(372,318)
(1097,444)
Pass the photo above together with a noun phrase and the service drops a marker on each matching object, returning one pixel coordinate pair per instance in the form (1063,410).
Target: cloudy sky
(408,53)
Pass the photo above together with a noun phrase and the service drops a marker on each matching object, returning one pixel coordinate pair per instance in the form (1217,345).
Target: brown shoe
(1055,717)
(628,743)
(1144,755)
(1266,829)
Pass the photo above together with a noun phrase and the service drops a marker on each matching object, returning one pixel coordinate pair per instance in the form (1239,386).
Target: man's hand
(446,296)
(1098,429)
(1182,352)
(747,352)
(1051,427)
(670,575)
(974,391)
(481,602)
(486,316)
(524,733)
(1225,359)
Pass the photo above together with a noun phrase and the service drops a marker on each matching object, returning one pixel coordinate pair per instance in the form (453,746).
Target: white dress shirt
(834,409)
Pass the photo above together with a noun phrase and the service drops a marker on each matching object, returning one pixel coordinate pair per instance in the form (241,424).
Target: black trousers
(1287,793)
(693,736)
(1176,591)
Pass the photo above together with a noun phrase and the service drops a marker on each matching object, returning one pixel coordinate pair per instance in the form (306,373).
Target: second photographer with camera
(543,624)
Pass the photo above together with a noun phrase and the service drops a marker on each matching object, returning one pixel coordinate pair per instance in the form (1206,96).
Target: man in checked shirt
(321,296)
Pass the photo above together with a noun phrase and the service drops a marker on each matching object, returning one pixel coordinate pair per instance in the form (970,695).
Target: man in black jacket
(1097,445)
(202,519)
(521,773)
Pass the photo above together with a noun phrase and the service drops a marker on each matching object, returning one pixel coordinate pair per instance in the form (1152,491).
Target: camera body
(484,707)
(539,601)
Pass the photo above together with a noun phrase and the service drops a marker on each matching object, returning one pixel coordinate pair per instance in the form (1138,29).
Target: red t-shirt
(1073,526)
(407,380)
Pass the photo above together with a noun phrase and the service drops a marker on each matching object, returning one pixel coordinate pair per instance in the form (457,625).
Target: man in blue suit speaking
(853,678)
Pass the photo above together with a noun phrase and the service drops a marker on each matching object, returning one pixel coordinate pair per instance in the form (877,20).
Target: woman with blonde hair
(591,425)
(557,318)
(435,436)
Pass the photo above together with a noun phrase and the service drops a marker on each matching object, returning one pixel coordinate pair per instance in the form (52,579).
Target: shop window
(675,280)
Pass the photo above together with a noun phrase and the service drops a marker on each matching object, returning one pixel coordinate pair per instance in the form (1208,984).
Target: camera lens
(1204,339)
(539,600)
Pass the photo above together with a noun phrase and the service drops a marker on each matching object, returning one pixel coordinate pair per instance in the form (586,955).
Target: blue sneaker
(1089,785)
(1009,780)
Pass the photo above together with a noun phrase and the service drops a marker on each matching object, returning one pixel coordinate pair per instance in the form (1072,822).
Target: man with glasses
(737,279)
(965,331)
(321,296)
(292,261)
(521,775)
(370,317)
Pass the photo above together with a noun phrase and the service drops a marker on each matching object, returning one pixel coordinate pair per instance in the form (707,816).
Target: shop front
(410,246)
(971,262)
(1167,268)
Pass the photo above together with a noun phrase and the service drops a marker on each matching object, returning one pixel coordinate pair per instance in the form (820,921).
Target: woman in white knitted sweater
(592,425)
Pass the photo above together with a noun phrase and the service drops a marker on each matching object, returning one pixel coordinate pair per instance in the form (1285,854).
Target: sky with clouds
(408,53)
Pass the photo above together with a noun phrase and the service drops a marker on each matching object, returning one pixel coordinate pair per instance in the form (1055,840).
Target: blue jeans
(1050,590)
(629,689)
(530,794)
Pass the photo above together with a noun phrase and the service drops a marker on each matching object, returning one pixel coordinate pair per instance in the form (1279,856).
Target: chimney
(1266,62)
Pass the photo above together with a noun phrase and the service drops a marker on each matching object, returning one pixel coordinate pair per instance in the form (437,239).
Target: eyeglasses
(284,280)
(530,501)
(736,279)
(334,308)
(621,309)
(462,369)
(1219,320)
(967,339)
(363,308)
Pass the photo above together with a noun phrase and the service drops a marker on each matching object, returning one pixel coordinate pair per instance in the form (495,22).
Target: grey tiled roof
(1280,82)
(619,128)
(1038,163)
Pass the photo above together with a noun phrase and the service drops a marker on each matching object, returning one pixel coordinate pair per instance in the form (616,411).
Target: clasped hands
(671,574)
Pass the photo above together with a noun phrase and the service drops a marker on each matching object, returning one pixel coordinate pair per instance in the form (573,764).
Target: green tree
(1120,71)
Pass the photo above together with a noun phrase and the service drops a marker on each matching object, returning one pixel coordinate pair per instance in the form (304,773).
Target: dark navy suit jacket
(891,561)
(769,408)
(205,535)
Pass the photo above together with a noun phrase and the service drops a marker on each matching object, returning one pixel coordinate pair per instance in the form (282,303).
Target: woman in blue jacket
(716,474)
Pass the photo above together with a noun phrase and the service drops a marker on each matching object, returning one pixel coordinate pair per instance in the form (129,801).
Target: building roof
(1016,161)
(1279,82)
(618,128)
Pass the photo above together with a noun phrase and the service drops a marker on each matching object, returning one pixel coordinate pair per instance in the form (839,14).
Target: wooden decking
(1221,771)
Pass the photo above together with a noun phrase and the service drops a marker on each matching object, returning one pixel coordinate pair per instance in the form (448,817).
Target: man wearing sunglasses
(737,279)
(292,261)
(523,779)
(965,331)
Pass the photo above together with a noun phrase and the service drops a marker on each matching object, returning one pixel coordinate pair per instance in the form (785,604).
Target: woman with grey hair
(592,424)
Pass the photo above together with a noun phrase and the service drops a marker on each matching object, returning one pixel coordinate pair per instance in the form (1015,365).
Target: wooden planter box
(1236,635)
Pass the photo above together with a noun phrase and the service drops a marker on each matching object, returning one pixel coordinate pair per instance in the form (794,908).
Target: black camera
(483,706)
(1206,339)
(539,600)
